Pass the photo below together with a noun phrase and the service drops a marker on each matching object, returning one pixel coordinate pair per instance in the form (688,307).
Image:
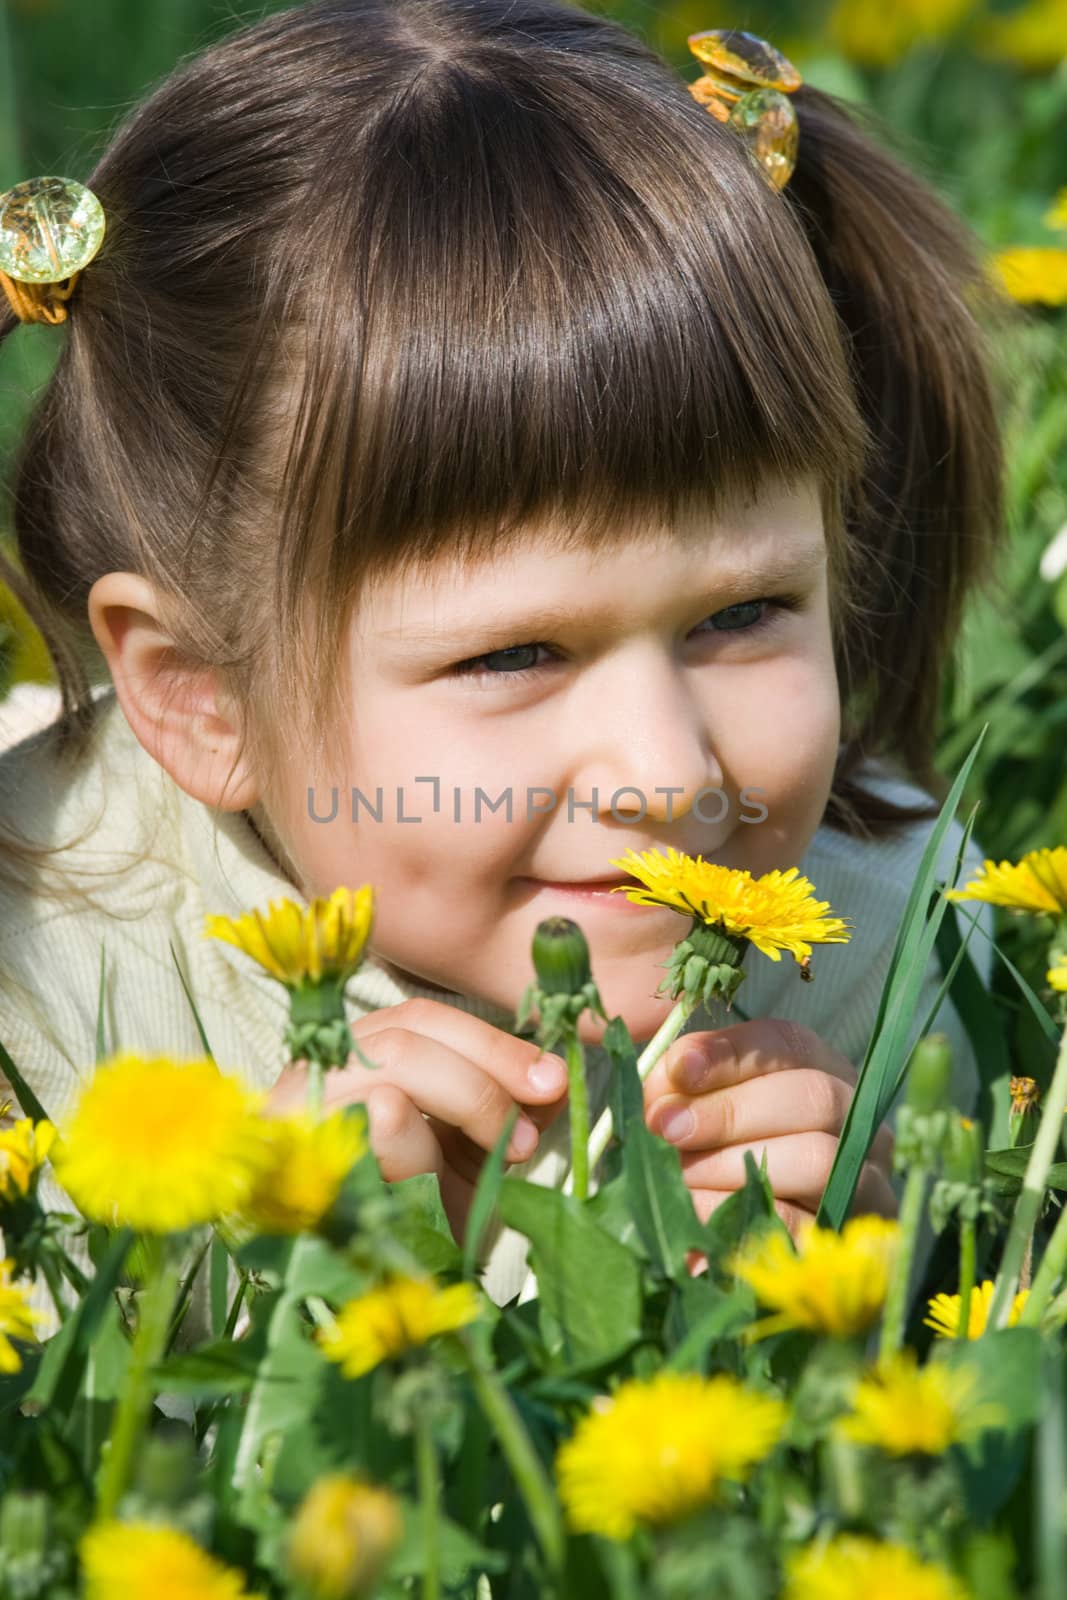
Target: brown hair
(388,277)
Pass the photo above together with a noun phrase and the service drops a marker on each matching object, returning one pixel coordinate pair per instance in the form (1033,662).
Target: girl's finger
(798,1166)
(401,1138)
(705,1201)
(874,1194)
(807,1101)
(440,1082)
(724,1057)
(520,1067)
(461,1154)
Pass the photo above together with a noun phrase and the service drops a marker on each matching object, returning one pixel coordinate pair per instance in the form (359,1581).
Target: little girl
(469,466)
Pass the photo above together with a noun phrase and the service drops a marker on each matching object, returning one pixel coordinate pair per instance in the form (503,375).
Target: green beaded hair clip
(50,228)
(746,84)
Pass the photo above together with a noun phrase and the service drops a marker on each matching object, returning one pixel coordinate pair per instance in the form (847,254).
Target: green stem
(135,1402)
(526,1466)
(54,1279)
(578,1100)
(73,1274)
(911,1209)
(655,1048)
(842,1465)
(1048,1274)
(314,1089)
(968,1257)
(1032,1193)
(623,1569)
(89,1396)
(430,1502)
(235,1309)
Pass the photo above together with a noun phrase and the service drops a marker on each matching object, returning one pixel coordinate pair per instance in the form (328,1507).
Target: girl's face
(499,714)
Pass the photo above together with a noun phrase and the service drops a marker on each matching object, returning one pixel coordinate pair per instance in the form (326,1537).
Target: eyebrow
(780,568)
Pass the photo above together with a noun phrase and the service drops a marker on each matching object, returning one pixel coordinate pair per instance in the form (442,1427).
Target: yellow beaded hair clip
(746,84)
(50,228)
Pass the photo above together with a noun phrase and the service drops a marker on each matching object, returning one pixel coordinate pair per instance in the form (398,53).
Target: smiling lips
(587,883)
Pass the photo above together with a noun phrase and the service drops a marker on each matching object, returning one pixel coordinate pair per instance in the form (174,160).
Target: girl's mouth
(591,892)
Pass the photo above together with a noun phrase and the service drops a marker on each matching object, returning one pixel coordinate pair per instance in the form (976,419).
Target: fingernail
(523,1140)
(678,1124)
(700,1061)
(695,1068)
(547,1075)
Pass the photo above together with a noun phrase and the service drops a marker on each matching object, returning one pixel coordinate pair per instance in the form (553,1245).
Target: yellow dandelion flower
(303,944)
(1056,215)
(23,1149)
(775,912)
(829,1283)
(657,1450)
(30,658)
(1038,883)
(342,1536)
(1033,36)
(876,35)
(905,1409)
(944,1311)
(160,1145)
(853,1565)
(134,1560)
(306,1164)
(1032,274)
(17,1318)
(399,1315)
(1056,976)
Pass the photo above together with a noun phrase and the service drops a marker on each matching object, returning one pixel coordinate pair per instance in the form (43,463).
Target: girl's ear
(176,709)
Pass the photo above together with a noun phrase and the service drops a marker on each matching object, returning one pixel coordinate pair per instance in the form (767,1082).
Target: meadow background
(973,95)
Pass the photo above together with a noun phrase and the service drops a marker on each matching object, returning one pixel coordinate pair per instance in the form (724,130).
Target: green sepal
(559,1013)
(328,1043)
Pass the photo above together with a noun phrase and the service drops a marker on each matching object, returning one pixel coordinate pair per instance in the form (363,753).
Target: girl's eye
(515,664)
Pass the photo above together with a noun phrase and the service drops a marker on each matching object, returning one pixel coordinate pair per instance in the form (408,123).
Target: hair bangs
(563,298)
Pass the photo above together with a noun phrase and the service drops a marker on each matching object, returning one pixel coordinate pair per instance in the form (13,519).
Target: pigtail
(905,277)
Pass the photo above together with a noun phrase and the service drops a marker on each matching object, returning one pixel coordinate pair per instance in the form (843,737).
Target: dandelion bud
(963,1151)
(342,1537)
(561,956)
(930,1075)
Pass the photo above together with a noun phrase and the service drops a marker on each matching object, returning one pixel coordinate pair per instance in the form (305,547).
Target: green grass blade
(982,1024)
(192,1004)
(101,1030)
(486,1191)
(1045,1022)
(885,1058)
(31,1106)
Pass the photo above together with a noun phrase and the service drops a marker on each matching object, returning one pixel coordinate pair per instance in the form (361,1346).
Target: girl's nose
(644,744)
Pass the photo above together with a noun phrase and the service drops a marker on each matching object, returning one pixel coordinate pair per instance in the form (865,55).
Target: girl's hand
(444,1086)
(765,1084)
